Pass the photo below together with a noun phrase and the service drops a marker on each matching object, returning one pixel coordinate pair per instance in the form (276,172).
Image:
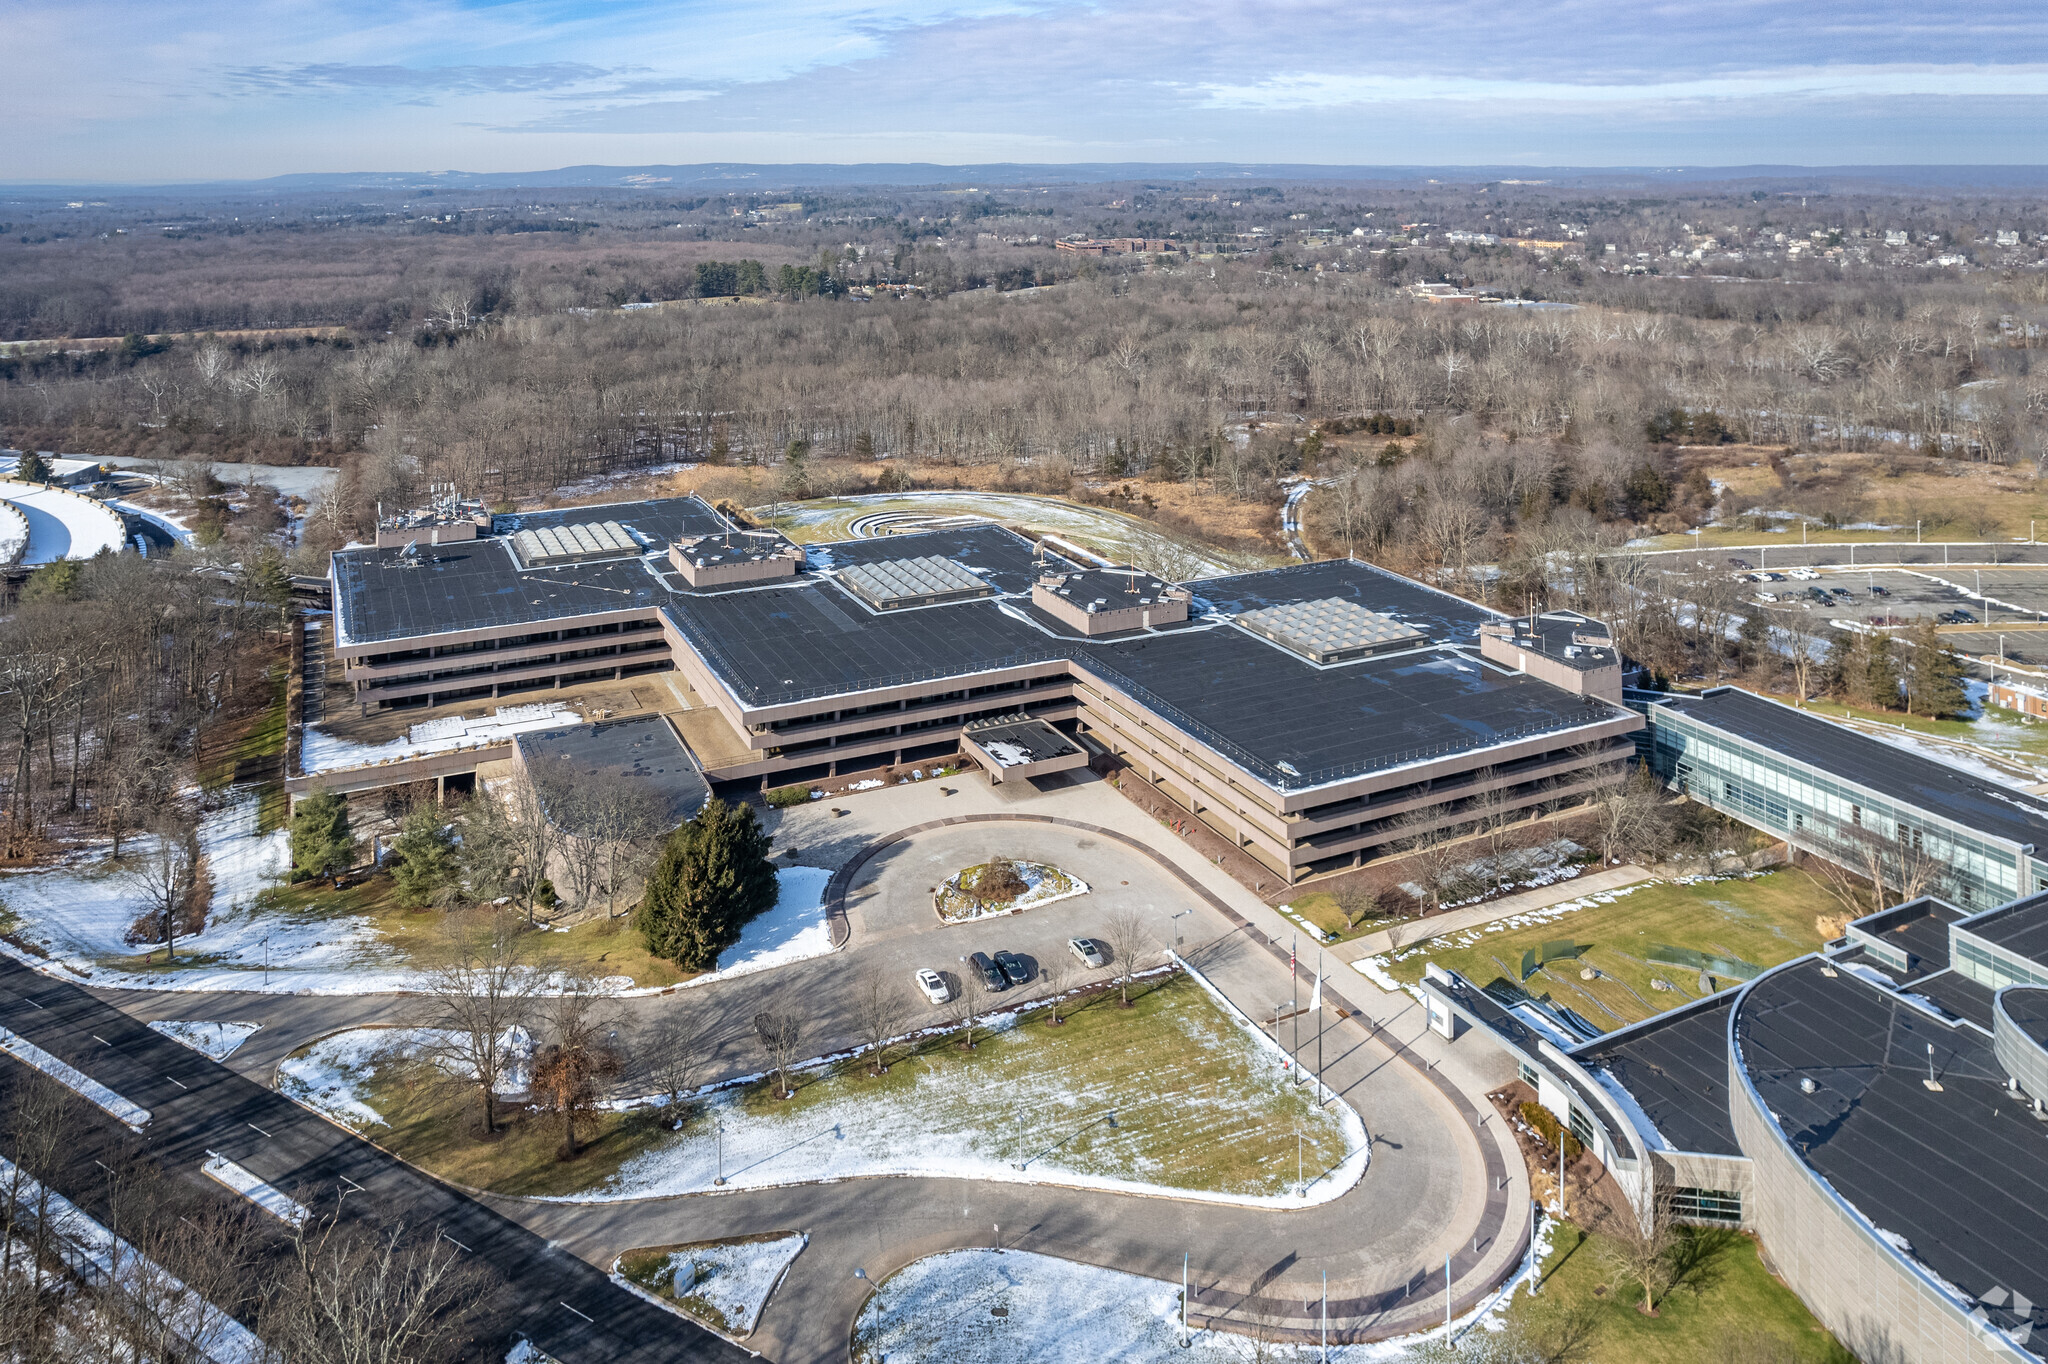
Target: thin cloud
(445,80)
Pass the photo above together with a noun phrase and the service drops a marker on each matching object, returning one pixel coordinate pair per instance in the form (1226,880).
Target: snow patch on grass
(333,1075)
(792,931)
(214,1041)
(732,1278)
(946,1307)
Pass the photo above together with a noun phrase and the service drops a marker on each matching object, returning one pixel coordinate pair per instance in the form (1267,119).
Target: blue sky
(173,89)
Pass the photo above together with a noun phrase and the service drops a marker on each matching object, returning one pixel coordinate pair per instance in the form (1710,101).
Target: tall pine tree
(1934,676)
(713,876)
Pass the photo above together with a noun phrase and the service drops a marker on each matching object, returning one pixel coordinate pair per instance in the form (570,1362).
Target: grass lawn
(1197,1105)
(256,741)
(413,938)
(727,1282)
(604,947)
(1727,1306)
(438,1126)
(1763,920)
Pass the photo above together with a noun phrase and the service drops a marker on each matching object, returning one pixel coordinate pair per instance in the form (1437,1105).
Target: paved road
(564,1305)
(1434,1187)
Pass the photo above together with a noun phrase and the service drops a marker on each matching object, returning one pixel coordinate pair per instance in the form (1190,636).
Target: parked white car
(1804,574)
(1088,951)
(933,985)
(1766,596)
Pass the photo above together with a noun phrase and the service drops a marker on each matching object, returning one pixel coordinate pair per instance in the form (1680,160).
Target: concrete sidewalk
(1593,883)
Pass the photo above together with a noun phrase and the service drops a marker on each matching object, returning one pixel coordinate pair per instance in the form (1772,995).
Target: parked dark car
(991,974)
(1879,590)
(1013,967)
(1738,563)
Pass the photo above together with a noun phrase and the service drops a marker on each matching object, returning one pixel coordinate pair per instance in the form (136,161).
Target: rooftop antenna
(1133,588)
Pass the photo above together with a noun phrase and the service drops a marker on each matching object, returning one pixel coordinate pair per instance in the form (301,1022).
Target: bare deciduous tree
(677,1048)
(878,1009)
(1638,1243)
(478,1002)
(1052,976)
(580,1017)
(161,873)
(1128,937)
(390,1294)
(780,1035)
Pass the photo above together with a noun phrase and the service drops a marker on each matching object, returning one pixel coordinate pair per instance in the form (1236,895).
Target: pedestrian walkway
(1493,911)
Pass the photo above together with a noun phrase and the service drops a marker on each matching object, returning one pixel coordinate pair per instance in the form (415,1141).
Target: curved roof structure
(63,525)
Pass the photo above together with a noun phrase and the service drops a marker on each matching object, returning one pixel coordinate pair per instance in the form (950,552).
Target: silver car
(1088,950)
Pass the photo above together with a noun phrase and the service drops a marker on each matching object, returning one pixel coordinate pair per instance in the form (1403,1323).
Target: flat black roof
(1676,1067)
(1961,1174)
(1556,636)
(384,596)
(1954,994)
(2021,928)
(645,748)
(1900,773)
(1292,724)
(1273,707)
(1919,928)
(1115,587)
(1035,738)
(2028,1006)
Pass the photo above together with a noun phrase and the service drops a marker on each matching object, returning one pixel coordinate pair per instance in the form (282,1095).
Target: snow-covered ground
(793,930)
(323,752)
(944,1307)
(983,1121)
(63,525)
(79,911)
(268,1197)
(733,1278)
(215,1041)
(13,533)
(332,1074)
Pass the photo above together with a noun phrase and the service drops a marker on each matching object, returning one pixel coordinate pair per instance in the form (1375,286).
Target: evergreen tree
(713,876)
(423,857)
(1934,676)
(32,468)
(322,841)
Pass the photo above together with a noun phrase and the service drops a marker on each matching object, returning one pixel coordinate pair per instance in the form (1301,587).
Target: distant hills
(741,176)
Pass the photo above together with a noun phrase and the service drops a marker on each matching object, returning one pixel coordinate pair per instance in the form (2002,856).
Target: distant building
(2020,696)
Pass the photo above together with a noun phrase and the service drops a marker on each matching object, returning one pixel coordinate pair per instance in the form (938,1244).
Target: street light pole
(875,1297)
(1294,1001)
(720,1181)
(1319,1027)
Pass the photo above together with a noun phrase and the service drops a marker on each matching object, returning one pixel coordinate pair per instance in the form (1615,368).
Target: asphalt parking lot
(2017,596)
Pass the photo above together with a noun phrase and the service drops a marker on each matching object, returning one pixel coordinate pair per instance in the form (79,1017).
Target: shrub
(1000,881)
(782,797)
(1551,1130)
